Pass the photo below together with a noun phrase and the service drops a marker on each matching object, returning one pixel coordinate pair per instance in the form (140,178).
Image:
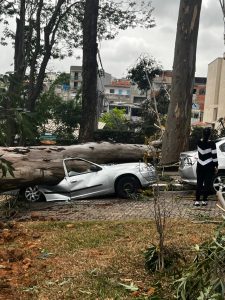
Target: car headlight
(146,168)
(187,161)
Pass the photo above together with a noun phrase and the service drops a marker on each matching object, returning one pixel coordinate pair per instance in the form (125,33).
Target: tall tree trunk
(17,79)
(34,55)
(179,115)
(37,88)
(89,72)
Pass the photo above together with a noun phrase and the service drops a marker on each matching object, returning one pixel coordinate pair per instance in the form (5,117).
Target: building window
(128,92)
(75,84)
(112,91)
(76,76)
(138,99)
(195,115)
(135,112)
(120,92)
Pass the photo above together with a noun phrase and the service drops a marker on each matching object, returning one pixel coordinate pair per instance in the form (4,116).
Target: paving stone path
(175,204)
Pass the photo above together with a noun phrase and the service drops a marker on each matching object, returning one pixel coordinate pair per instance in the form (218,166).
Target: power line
(102,74)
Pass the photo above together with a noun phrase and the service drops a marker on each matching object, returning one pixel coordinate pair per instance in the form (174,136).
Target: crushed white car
(84,179)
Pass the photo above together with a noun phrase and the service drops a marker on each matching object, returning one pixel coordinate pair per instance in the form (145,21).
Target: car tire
(219,182)
(32,194)
(126,186)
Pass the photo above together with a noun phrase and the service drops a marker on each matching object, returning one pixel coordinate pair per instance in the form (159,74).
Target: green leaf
(130,287)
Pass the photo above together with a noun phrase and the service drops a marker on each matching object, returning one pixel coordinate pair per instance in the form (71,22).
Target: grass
(90,260)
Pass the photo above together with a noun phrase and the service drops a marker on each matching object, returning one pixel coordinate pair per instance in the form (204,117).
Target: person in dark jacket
(206,166)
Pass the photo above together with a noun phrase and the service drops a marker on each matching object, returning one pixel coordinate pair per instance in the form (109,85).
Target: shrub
(127,137)
(204,278)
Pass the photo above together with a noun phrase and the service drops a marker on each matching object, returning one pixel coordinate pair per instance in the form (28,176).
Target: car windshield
(76,167)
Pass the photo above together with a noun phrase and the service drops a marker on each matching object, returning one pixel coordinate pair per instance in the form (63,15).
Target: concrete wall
(215,91)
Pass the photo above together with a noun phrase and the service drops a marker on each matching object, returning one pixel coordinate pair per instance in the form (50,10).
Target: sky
(120,54)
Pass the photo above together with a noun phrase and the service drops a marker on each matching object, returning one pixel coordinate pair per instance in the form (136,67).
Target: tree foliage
(57,116)
(62,79)
(204,278)
(114,16)
(53,29)
(149,117)
(144,71)
(115,119)
(156,104)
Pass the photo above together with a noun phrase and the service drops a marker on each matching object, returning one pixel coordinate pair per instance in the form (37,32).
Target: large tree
(89,72)
(143,74)
(53,29)
(177,131)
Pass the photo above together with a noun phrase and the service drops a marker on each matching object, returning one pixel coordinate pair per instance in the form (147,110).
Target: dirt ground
(22,255)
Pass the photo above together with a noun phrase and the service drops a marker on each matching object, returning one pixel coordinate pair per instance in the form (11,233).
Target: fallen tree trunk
(43,165)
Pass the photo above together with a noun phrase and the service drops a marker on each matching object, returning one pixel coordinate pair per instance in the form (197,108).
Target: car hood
(126,166)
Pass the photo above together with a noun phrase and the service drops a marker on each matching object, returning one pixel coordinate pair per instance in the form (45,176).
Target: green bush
(204,278)
(126,137)
(172,259)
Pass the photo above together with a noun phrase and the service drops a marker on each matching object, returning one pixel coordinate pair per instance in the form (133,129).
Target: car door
(85,179)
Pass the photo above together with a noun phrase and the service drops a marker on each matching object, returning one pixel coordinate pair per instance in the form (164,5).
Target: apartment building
(76,79)
(119,90)
(164,80)
(198,100)
(215,91)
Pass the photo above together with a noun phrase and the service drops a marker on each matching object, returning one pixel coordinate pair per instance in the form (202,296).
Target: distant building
(61,90)
(215,91)
(198,99)
(136,96)
(76,79)
(163,81)
(119,90)
(50,77)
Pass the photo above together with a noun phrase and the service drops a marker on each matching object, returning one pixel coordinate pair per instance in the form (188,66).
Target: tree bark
(177,131)
(38,165)
(89,72)
(35,88)
(16,80)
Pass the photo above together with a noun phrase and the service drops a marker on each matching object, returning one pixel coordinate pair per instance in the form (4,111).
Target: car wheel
(127,186)
(32,194)
(219,183)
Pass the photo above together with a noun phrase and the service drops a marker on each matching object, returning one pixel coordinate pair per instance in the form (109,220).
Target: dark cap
(207,130)
(206,133)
